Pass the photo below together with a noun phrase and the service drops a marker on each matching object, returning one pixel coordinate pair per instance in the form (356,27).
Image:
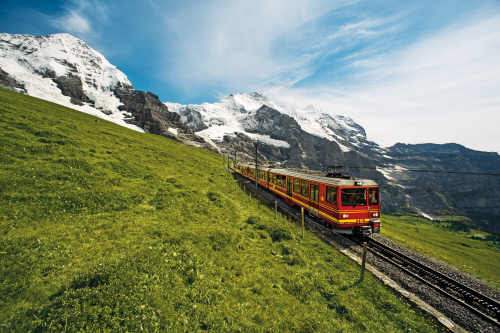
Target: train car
(344,205)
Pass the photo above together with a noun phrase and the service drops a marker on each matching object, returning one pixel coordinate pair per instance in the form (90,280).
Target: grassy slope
(480,257)
(103,228)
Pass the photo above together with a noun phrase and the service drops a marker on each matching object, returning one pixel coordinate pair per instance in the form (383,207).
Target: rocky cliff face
(72,86)
(149,113)
(441,193)
(7,82)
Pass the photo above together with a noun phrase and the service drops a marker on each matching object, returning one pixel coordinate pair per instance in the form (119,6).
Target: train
(343,204)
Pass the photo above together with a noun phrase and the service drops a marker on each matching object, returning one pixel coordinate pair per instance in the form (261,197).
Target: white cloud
(73,22)
(233,44)
(444,88)
(81,18)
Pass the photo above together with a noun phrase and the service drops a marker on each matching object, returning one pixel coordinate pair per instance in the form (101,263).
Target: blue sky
(407,71)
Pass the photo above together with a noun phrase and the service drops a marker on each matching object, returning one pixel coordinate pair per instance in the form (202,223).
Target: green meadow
(110,230)
(472,251)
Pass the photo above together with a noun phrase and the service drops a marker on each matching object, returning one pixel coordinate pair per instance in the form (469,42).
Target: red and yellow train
(345,205)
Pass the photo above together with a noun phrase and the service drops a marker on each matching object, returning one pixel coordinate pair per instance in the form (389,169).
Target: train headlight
(345,216)
(375,214)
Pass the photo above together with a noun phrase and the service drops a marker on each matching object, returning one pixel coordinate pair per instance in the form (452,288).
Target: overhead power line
(437,171)
(412,170)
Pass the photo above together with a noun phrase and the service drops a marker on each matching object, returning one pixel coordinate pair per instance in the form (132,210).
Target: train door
(289,185)
(314,199)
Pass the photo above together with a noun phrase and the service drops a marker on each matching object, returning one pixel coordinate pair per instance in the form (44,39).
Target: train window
(331,195)
(305,188)
(273,178)
(296,185)
(314,192)
(353,196)
(283,181)
(373,196)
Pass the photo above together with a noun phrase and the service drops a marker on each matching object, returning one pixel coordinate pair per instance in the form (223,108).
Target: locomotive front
(359,206)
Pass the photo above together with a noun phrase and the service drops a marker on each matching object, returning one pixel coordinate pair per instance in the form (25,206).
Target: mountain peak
(64,36)
(43,65)
(259,95)
(311,107)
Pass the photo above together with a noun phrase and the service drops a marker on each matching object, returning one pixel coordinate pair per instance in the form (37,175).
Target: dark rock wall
(150,114)
(443,193)
(7,82)
(192,119)
(71,85)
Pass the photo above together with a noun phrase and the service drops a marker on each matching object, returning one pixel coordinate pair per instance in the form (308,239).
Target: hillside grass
(472,251)
(110,230)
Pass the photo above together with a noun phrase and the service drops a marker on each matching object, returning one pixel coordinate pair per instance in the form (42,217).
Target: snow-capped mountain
(42,65)
(236,114)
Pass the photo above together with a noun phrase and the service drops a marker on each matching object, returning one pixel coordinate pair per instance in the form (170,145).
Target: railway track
(482,305)
(475,302)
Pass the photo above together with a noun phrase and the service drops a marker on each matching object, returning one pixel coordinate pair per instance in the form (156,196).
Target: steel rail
(441,281)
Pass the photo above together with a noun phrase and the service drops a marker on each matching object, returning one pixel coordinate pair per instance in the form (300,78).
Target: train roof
(317,178)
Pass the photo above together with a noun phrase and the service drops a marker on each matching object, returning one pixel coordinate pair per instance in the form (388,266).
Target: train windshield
(353,196)
(373,196)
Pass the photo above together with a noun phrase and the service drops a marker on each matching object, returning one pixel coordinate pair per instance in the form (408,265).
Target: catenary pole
(256,167)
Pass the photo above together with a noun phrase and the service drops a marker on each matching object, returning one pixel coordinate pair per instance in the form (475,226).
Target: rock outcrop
(8,82)
(72,86)
(149,113)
